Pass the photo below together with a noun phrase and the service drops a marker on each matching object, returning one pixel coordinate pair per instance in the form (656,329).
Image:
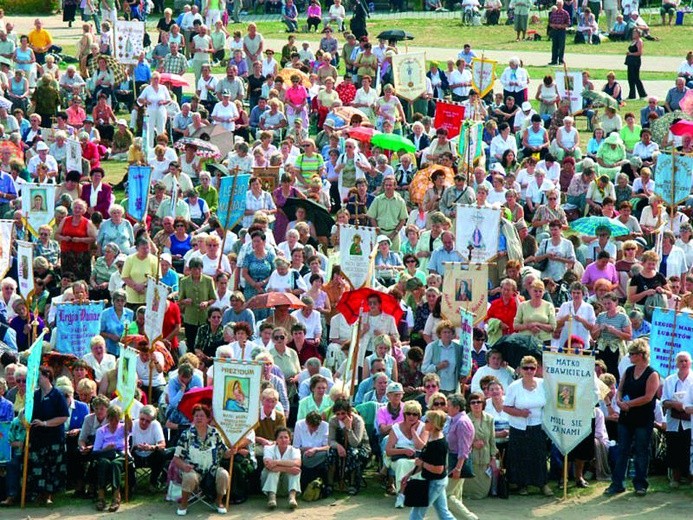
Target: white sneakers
(181,512)
(399,502)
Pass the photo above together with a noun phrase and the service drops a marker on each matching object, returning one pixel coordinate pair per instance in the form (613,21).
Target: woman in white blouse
(279,459)
(155,98)
(577,311)
(256,199)
(524,403)
(284,279)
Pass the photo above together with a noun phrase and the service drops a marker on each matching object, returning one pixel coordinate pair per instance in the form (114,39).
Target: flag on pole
(32,374)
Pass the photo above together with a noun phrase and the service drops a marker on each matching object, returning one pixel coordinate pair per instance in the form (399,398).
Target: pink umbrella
(683,127)
(175,80)
(686,102)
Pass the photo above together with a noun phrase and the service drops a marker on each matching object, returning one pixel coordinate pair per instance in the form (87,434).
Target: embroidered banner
(466,337)
(673,184)
(409,71)
(75,325)
(127,378)
(139,178)
(355,247)
(483,75)
(25,268)
(232,191)
(38,205)
(464,289)
(569,86)
(449,116)
(32,374)
(570,399)
(671,333)
(129,41)
(478,229)
(236,397)
(156,309)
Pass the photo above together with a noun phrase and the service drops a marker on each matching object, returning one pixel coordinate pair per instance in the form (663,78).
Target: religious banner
(73,155)
(155,298)
(129,41)
(449,116)
(570,398)
(470,145)
(232,190)
(5,448)
(670,334)
(25,268)
(5,246)
(38,205)
(466,337)
(569,86)
(139,178)
(32,375)
(126,385)
(673,177)
(409,74)
(355,247)
(75,325)
(483,75)
(478,230)
(236,397)
(464,288)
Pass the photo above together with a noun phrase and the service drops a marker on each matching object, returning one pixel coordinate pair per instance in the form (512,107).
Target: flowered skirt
(47,469)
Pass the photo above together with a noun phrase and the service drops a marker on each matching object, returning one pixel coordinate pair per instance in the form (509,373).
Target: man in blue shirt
(142,72)
(255,113)
(8,193)
(467,54)
(445,253)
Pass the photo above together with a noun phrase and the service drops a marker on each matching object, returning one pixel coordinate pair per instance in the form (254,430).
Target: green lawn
(674,41)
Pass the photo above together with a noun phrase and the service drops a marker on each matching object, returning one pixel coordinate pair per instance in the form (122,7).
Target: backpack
(313,490)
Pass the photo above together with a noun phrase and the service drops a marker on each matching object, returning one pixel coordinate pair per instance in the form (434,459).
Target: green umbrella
(660,126)
(393,142)
(600,98)
(588,226)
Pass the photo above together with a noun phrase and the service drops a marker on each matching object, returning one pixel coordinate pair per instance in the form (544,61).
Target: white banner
(127,378)
(570,398)
(355,247)
(5,246)
(236,397)
(570,87)
(73,156)
(38,205)
(478,228)
(129,41)
(156,308)
(25,267)
(409,74)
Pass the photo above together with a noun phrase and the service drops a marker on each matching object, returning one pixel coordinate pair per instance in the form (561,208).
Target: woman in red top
(90,150)
(97,194)
(105,119)
(171,328)
(505,307)
(76,234)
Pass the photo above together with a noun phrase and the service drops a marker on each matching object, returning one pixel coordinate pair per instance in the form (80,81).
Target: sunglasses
(529,368)
(439,403)
(474,402)
(553,198)
(411,414)
(279,337)
(431,386)
(411,261)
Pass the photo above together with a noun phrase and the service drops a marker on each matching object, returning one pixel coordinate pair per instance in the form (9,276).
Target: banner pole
(26,462)
(354,358)
(673,191)
(673,338)
(127,457)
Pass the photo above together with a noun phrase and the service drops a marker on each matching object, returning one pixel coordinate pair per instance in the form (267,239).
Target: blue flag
(138,191)
(232,190)
(32,375)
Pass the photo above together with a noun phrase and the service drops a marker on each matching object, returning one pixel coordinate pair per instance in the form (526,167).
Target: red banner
(449,116)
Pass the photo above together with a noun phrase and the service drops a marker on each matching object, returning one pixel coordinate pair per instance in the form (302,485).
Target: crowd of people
(308,116)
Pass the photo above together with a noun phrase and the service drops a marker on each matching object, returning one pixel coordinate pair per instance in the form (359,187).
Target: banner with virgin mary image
(464,287)
(38,205)
(355,247)
(477,230)
(236,397)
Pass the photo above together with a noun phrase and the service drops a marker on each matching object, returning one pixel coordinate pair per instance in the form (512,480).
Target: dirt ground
(590,505)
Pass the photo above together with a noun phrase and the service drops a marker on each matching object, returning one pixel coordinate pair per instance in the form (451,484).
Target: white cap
(498,168)
(41,146)
(166,257)
(122,122)
(526,105)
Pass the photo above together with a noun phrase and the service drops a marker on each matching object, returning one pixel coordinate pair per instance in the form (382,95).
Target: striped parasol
(118,69)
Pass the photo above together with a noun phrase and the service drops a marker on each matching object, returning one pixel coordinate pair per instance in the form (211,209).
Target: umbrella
(362,133)
(221,138)
(601,98)
(422,181)
(347,113)
(588,226)
(686,102)
(682,128)
(395,35)
(217,169)
(118,69)
(175,80)
(203,148)
(660,127)
(353,302)
(393,142)
(287,72)
(274,299)
(516,346)
(315,213)
(192,397)
(5,103)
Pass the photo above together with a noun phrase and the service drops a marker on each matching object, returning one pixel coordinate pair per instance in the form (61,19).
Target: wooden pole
(228,215)
(26,461)
(565,457)
(673,189)
(355,355)
(127,456)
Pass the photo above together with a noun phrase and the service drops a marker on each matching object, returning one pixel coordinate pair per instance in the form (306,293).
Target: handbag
(416,492)
(502,485)
(467,470)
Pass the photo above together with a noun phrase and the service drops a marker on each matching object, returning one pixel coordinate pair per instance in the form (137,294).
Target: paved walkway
(64,35)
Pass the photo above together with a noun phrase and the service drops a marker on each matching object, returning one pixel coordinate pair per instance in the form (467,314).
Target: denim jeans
(437,499)
(639,437)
